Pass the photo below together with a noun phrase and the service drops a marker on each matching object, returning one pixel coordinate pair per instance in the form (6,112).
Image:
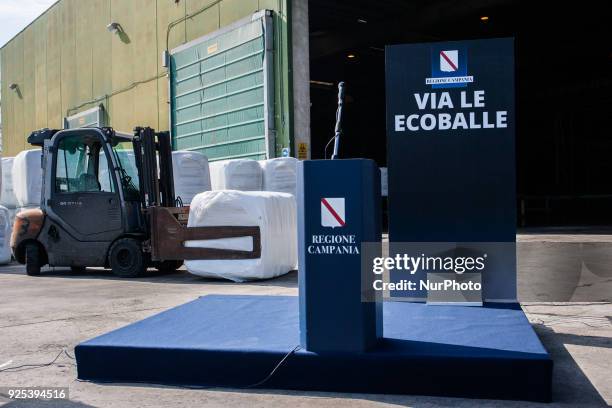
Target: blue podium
(251,341)
(338,209)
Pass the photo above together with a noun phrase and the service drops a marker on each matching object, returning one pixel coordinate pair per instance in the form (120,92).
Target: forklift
(108,200)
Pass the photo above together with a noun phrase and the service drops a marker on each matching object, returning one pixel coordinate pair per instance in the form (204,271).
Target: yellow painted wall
(66,61)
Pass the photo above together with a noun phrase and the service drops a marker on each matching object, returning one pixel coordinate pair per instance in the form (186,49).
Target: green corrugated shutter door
(221,92)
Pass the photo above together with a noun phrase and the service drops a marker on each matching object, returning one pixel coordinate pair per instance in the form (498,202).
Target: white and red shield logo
(449,61)
(332,212)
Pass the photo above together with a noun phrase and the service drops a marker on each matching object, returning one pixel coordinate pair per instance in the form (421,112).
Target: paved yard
(41,316)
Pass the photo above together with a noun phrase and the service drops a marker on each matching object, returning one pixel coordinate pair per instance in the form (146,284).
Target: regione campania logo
(449,60)
(449,67)
(333,212)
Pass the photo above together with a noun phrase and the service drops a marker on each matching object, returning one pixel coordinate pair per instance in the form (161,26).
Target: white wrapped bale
(240,174)
(7,196)
(104,178)
(191,175)
(5,236)
(274,214)
(12,213)
(280,174)
(27,177)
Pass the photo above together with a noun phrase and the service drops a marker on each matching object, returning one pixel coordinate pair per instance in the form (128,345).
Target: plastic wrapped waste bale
(191,175)
(280,174)
(12,213)
(7,196)
(5,236)
(240,174)
(27,177)
(274,214)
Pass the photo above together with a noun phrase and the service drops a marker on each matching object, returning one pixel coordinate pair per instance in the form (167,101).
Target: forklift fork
(169,235)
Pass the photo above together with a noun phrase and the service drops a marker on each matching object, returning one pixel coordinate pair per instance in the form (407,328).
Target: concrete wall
(66,62)
(300,50)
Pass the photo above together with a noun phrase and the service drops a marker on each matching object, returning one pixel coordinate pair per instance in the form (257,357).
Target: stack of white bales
(239,174)
(191,175)
(7,195)
(280,174)
(27,178)
(237,200)
(274,214)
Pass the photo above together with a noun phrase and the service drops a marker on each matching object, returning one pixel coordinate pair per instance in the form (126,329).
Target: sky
(16,14)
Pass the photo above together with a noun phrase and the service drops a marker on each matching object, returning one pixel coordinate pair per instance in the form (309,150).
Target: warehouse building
(101,62)
(230,79)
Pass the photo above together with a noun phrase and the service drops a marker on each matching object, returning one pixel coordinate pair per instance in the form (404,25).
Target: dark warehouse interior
(563,93)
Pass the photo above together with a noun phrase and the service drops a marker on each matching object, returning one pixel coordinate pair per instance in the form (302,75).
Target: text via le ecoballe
(473,119)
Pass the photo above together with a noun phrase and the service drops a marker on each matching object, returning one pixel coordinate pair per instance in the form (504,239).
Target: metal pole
(338,120)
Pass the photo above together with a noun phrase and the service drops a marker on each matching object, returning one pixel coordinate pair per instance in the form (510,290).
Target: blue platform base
(236,341)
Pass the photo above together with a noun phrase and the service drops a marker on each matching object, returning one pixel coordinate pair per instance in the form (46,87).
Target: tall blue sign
(451,150)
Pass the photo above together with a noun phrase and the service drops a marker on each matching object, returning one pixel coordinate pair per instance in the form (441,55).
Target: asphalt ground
(42,316)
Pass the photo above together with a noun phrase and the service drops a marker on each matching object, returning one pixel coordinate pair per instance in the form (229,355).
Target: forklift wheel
(126,258)
(33,265)
(167,266)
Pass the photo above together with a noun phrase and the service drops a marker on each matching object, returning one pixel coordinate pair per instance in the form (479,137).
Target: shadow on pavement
(181,276)
(570,384)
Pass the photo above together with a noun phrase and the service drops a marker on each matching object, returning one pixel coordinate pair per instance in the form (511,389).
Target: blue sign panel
(451,150)
(338,210)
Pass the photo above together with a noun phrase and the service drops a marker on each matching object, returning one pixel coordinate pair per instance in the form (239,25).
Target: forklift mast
(156,182)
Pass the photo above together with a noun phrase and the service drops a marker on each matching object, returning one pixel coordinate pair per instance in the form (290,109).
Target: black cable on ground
(280,363)
(25,367)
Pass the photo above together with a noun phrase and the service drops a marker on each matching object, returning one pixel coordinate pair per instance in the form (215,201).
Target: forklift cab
(91,184)
(90,198)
